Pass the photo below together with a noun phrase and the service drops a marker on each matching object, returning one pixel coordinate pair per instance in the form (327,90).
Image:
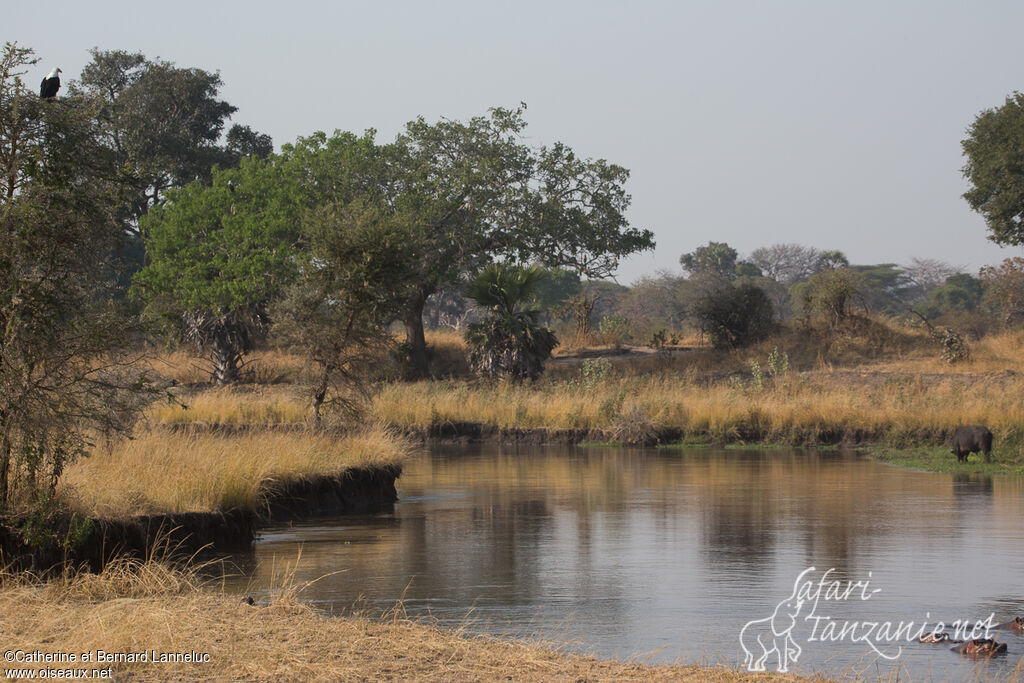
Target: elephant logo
(761,638)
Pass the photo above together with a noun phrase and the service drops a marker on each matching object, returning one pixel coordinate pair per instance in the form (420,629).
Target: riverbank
(185,492)
(150,608)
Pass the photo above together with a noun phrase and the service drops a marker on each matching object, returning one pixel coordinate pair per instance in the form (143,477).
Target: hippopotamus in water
(981,647)
(972,439)
(1016,625)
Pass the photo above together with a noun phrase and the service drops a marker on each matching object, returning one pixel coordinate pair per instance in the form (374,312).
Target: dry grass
(798,410)
(914,398)
(261,367)
(162,609)
(165,472)
(877,380)
(260,406)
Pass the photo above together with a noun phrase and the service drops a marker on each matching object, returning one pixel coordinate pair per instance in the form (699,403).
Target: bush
(509,341)
(735,316)
(615,330)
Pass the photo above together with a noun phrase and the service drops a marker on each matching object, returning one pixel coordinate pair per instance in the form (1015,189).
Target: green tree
(351,286)
(995,169)
(716,259)
(220,253)
(829,294)
(735,315)
(884,287)
(555,289)
(960,292)
(482,194)
(510,340)
(162,124)
(63,379)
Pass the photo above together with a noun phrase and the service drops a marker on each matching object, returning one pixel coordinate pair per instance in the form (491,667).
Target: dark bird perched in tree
(50,85)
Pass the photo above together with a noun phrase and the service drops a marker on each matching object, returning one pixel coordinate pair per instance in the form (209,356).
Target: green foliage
(735,316)
(509,341)
(62,379)
(615,330)
(778,365)
(883,287)
(477,194)
(611,406)
(960,293)
(995,169)
(714,258)
(659,339)
(161,125)
(50,524)
(219,254)
(595,372)
(351,284)
(556,288)
(776,376)
(828,294)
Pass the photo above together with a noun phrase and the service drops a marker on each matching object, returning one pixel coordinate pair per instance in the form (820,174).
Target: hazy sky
(830,124)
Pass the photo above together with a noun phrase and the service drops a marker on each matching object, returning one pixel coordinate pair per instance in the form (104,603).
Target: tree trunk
(320,394)
(5,462)
(225,361)
(417,364)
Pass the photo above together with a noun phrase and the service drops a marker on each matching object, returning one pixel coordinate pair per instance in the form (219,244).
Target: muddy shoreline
(475,432)
(64,542)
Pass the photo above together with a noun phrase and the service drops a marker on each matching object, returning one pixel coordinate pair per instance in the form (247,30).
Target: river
(664,555)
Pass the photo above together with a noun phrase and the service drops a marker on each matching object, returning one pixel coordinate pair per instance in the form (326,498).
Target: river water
(664,555)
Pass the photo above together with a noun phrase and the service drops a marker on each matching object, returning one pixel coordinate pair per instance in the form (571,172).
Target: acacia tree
(788,263)
(220,254)
(61,375)
(995,169)
(351,285)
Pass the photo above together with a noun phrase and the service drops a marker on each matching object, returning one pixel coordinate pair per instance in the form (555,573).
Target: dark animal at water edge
(972,439)
(50,85)
(981,647)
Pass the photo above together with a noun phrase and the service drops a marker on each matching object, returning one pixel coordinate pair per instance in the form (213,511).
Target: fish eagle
(50,85)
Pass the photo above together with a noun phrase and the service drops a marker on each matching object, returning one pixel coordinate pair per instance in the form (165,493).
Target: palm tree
(510,340)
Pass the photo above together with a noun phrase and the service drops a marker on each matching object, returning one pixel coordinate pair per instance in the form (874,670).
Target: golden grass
(901,399)
(261,406)
(167,472)
(163,610)
(881,381)
(261,367)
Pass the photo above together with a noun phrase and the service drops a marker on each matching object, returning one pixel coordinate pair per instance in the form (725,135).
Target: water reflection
(628,551)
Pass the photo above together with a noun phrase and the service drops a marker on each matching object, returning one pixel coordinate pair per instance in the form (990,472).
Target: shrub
(735,316)
(615,330)
(510,340)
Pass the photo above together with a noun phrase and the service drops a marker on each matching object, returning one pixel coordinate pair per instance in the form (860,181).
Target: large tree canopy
(994,148)
(163,124)
(219,254)
(481,193)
